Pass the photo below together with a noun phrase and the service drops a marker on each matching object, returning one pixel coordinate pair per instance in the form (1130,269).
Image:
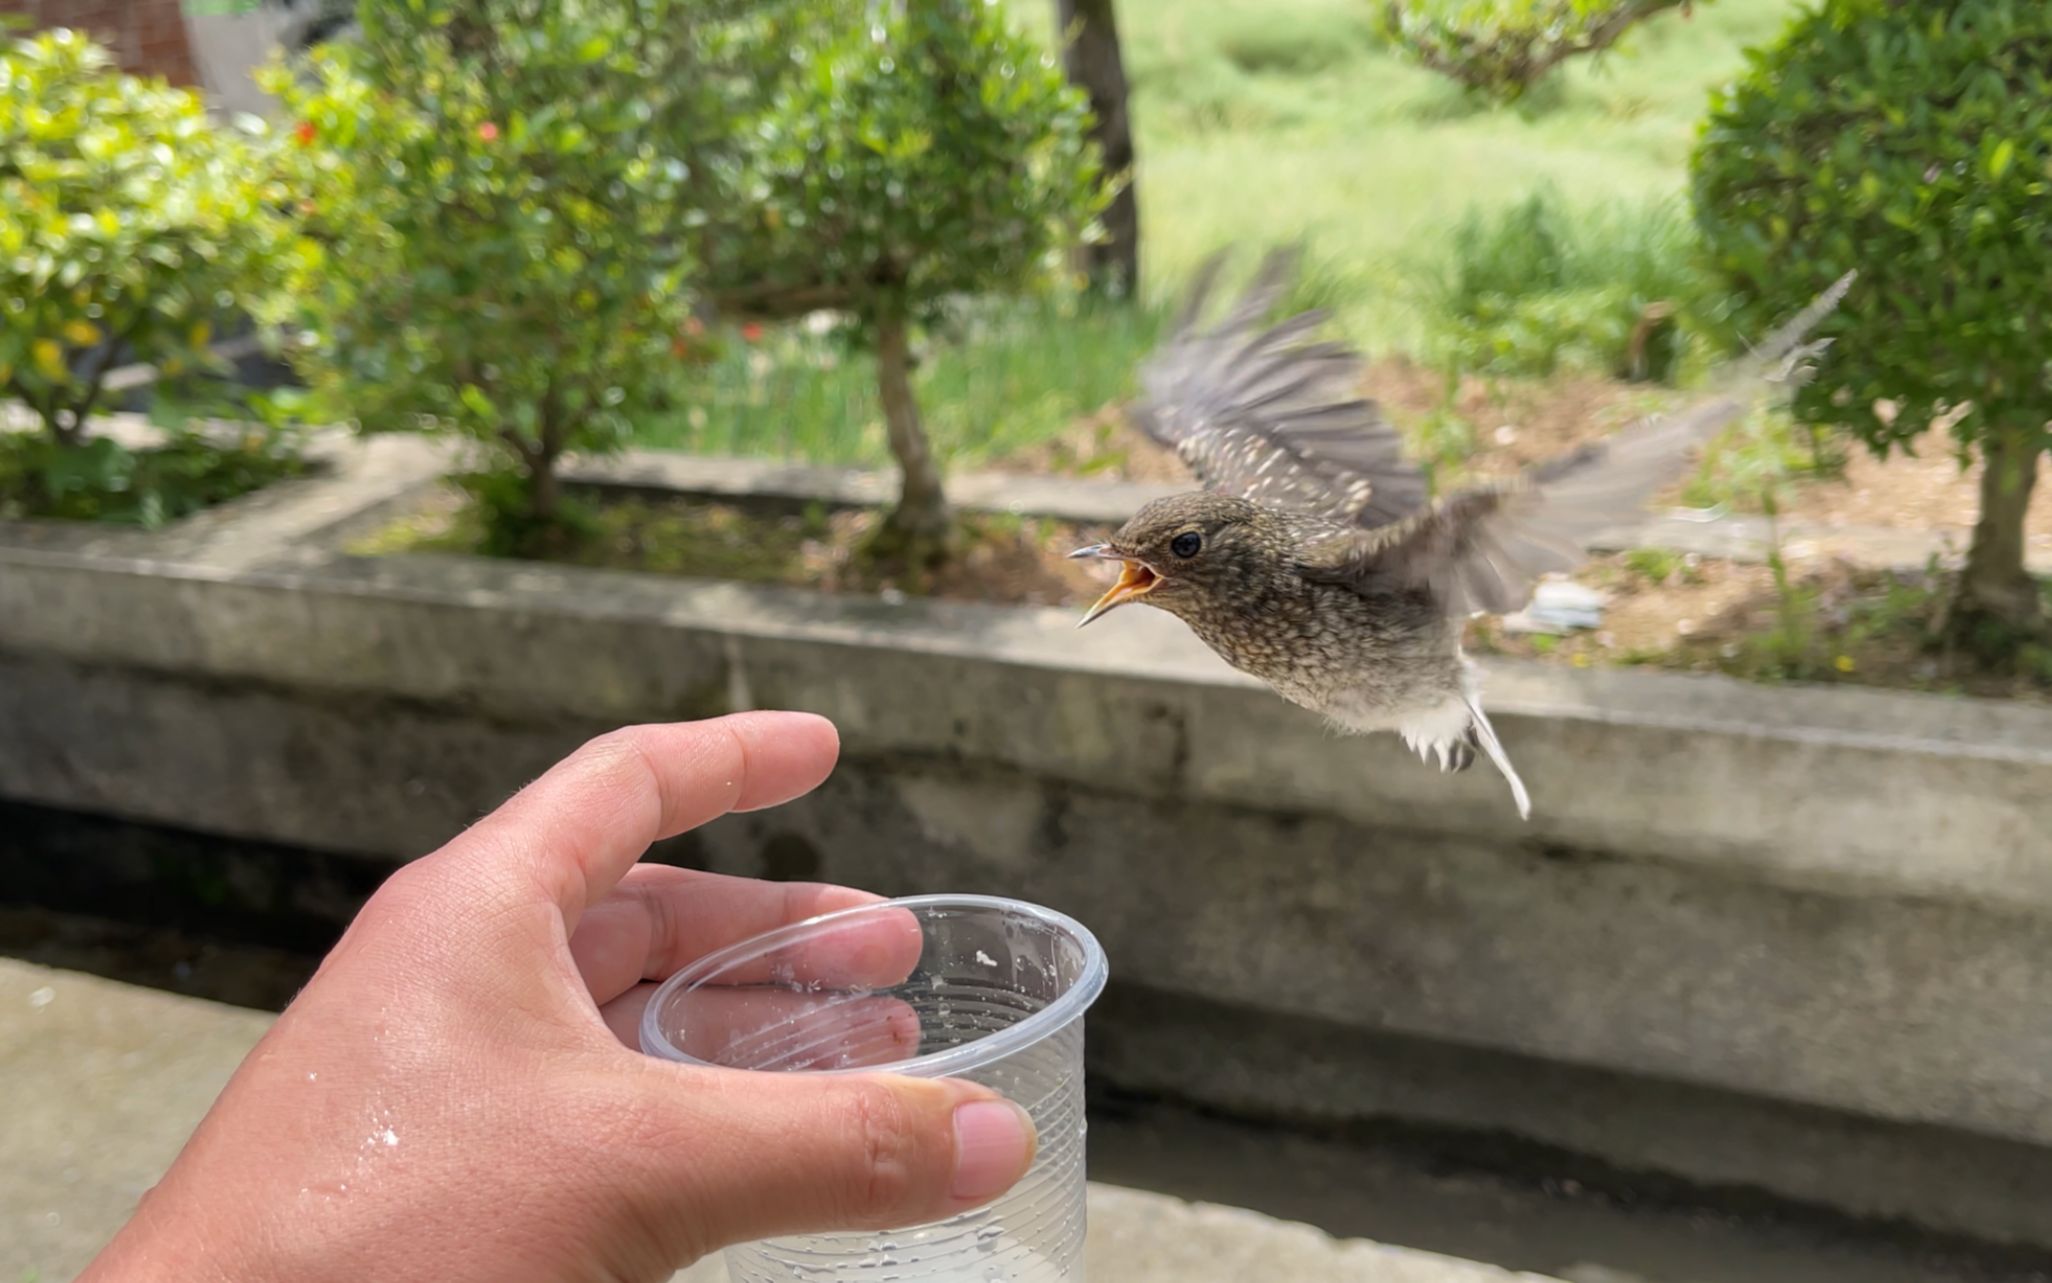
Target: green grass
(1543,285)
(1012,377)
(1266,120)
(1753,462)
(1660,565)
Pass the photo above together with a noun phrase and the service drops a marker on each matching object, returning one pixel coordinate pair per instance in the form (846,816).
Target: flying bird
(1315,557)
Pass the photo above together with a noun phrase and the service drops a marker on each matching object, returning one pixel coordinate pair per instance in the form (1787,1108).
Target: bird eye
(1186,544)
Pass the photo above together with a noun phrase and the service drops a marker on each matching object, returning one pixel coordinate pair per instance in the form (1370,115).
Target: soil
(1020,561)
(1928,491)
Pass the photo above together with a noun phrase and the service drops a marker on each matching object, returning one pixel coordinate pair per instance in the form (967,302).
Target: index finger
(575,831)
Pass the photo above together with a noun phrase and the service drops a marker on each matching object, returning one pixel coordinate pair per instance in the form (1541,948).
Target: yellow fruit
(48,358)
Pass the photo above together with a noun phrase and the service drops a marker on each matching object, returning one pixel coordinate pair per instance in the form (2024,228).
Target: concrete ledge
(105,1081)
(1827,898)
(1861,790)
(1747,538)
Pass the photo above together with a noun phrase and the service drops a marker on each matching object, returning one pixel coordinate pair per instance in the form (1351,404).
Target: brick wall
(147,36)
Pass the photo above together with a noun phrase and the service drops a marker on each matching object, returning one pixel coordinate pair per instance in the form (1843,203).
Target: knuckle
(408,889)
(622,744)
(890,1180)
(628,757)
(666,943)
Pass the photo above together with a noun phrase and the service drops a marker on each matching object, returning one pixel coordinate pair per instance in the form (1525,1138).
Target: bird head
(1189,551)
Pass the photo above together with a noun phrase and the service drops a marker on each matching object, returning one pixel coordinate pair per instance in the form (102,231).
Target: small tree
(931,155)
(129,225)
(498,184)
(1500,49)
(1912,141)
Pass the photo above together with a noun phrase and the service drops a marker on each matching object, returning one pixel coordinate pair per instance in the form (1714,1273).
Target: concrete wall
(1804,903)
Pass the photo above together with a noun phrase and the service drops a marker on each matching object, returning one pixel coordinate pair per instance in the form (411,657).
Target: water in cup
(979,988)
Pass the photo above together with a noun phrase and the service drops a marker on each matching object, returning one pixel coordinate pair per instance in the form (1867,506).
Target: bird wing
(1483,548)
(1261,412)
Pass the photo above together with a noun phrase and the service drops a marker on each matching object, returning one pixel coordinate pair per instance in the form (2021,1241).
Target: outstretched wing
(1268,415)
(1482,549)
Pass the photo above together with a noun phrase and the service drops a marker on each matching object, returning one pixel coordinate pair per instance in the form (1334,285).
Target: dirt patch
(1926,492)
(1516,422)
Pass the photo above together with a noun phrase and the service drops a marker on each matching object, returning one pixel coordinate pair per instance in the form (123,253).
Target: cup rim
(938,1064)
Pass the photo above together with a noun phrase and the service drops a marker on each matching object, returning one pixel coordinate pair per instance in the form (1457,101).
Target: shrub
(102,480)
(1913,142)
(501,188)
(129,226)
(1500,49)
(931,155)
(1542,285)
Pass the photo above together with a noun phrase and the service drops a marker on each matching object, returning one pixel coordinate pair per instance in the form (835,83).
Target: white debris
(1559,606)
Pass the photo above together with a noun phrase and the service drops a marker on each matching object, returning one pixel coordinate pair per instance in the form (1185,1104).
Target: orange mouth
(1136,579)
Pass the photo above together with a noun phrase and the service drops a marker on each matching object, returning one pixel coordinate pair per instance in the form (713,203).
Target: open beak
(1136,579)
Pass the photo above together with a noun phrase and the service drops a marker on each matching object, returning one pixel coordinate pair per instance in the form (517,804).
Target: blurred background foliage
(858,232)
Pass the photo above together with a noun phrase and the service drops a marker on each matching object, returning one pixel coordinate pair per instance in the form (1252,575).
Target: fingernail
(994,1142)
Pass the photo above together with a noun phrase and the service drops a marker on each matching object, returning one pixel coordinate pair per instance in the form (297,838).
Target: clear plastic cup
(938,986)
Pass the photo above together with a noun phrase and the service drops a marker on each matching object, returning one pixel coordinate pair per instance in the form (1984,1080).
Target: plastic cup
(938,986)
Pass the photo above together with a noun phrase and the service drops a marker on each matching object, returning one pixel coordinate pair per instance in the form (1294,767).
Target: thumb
(768,1154)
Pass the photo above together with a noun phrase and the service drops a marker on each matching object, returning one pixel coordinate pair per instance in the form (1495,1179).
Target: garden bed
(1000,558)
(1843,619)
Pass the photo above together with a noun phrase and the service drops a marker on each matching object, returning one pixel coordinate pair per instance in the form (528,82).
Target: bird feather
(1263,414)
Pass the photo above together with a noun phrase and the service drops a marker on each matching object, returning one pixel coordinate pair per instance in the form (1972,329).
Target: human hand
(450,1097)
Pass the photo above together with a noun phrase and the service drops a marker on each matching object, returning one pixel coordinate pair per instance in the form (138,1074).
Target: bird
(1316,558)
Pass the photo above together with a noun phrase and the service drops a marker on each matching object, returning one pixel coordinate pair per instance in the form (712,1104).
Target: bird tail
(1486,734)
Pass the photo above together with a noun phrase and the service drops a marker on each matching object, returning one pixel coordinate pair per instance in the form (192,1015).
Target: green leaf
(478,403)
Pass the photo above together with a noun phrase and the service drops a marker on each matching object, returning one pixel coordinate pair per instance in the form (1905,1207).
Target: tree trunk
(1997,598)
(544,489)
(918,526)
(1091,58)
